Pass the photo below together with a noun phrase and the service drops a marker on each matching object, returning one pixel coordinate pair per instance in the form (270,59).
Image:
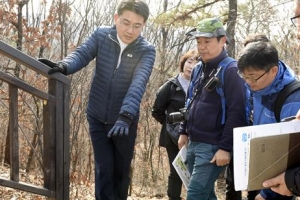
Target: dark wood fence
(56,124)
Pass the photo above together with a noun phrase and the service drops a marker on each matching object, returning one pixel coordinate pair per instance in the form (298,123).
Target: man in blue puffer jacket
(266,76)
(124,62)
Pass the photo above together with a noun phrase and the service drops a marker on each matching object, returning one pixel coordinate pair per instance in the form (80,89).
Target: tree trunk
(232,16)
(19,26)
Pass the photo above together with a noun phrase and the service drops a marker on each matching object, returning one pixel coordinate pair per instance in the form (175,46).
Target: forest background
(53,28)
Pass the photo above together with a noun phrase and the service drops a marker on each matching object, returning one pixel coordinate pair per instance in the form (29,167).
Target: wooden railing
(56,124)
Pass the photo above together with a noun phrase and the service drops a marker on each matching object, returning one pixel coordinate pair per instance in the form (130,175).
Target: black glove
(55,67)
(121,127)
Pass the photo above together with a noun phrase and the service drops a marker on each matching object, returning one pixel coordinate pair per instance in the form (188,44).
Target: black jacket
(292,180)
(170,97)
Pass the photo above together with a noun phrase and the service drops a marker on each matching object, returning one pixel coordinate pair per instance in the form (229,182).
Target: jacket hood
(175,81)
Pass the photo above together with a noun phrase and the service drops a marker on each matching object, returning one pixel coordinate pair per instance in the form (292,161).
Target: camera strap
(200,74)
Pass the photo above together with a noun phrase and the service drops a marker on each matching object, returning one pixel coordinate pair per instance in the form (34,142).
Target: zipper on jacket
(112,78)
(116,68)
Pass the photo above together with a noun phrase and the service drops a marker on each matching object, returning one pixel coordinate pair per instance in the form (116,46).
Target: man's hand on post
(55,67)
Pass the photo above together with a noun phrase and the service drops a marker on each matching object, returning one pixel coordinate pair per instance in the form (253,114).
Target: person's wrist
(288,175)
(125,119)
(63,68)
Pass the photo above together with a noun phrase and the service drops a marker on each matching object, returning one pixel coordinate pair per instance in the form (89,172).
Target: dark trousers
(268,194)
(252,194)
(112,160)
(174,181)
(231,194)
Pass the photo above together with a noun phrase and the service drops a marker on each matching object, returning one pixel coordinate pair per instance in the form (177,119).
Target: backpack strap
(194,77)
(282,95)
(249,108)
(220,89)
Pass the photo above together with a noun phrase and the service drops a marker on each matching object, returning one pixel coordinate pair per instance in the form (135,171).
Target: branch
(187,15)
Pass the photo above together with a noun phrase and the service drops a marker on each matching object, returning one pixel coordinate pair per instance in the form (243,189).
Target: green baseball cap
(210,27)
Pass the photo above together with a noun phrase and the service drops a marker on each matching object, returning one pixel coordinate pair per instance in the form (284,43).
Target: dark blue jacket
(114,91)
(205,112)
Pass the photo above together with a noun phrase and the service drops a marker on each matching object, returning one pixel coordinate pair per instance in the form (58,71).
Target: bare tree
(55,30)
(19,26)
(231,22)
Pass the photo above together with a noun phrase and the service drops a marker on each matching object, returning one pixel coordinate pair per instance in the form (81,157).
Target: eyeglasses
(126,24)
(251,79)
(295,20)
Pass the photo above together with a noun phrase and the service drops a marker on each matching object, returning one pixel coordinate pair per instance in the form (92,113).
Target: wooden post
(13,132)
(61,93)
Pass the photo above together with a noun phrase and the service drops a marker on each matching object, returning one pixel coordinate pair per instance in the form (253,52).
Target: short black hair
(258,55)
(137,6)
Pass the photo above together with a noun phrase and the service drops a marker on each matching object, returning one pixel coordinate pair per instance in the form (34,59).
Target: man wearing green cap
(208,131)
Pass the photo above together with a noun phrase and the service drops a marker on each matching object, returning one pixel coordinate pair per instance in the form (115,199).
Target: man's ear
(116,17)
(223,40)
(274,71)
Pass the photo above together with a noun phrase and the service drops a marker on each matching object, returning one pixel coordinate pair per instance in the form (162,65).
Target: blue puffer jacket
(263,100)
(114,91)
